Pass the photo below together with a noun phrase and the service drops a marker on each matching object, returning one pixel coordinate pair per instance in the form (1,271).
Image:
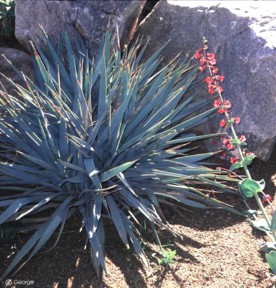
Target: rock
(243,36)
(89,19)
(21,60)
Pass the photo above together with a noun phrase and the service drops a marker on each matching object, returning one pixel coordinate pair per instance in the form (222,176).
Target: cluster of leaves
(101,137)
(167,258)
(7,19)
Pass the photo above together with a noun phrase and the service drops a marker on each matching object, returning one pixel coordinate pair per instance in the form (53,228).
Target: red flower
(202,68)
(197,55)
(242,138)
(234,160)
(225,141)
(220,89)
(202,60)
(208,80)
(220,78)
(211,89)
(217,103)
(211,56)
(222,110)
(222,123)
(213,61)
(230,146)
(237,120)
(227,104)
(249,154)
(214,70)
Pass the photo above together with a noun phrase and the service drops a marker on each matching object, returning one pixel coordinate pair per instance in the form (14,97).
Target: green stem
(246,170)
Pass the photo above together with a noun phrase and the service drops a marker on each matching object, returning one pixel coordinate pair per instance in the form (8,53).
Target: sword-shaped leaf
(116,170)
(116,216)
(40,237)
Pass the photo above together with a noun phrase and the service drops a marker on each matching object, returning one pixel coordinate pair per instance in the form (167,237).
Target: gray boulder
(243,36)
(21,61)
(88,19)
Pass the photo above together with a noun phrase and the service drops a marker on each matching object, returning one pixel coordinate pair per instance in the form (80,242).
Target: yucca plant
(101,137)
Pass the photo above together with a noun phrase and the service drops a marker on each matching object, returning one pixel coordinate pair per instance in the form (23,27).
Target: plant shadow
(69,265)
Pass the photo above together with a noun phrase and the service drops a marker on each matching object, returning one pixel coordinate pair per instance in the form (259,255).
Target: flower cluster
(208,63)
(213,81)
(222,105)
(241,158)
(227,142)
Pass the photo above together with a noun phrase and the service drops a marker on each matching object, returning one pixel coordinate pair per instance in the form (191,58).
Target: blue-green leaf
(116,170)
(249,187)
(271,259)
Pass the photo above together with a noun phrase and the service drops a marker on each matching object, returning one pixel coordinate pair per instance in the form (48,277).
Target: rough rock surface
(21,60)
(80,17)
(243,35)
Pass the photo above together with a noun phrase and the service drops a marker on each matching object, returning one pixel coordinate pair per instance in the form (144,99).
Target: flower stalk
(248,187)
